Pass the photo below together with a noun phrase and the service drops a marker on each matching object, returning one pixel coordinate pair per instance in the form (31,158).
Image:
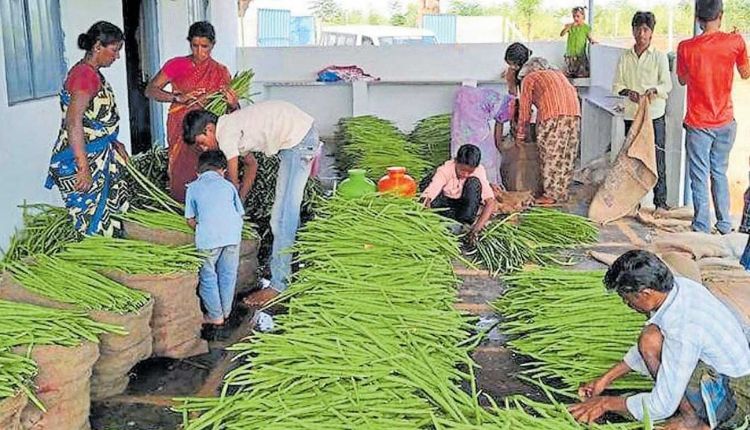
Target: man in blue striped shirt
(692,346)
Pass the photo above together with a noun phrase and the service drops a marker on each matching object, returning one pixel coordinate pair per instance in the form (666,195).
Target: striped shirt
(551,93)
(696,327)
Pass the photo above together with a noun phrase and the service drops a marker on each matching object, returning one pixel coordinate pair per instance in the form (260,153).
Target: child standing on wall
(213,208)
(579,37)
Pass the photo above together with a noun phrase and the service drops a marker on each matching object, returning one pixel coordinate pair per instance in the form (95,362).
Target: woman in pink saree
(192,78)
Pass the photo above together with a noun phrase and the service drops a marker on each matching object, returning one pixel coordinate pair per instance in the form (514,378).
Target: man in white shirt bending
(271,127)
(692,346)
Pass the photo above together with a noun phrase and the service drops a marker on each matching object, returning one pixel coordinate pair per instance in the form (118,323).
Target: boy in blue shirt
(213,208)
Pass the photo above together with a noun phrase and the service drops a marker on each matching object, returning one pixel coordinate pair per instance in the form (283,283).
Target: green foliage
(611,19)
(527,11)
(354,17)
(467,8)
(375,18)
(396,15)
(329,11)
(737,14)
(410,16)
(398,20)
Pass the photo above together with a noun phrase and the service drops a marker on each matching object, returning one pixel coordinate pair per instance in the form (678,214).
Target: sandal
(545,201)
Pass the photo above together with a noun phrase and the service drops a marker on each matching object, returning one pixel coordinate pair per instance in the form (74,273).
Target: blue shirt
(696,327)
(214,203)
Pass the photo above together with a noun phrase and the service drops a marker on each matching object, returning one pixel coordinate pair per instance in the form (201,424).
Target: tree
(398,20)
(466,8)
(397,17)
(375,18)
(355,17)
(737,14)
(526,9)
(328,11)
(410,17)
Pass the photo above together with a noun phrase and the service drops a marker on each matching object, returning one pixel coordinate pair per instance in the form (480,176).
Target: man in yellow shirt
(644,72)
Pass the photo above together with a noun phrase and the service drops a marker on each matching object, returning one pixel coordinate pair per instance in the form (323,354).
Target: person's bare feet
(260,297)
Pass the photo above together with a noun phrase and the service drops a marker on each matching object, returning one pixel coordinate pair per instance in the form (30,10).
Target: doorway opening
(142,63)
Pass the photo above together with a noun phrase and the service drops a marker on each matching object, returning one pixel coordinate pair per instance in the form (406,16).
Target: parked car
(375,35)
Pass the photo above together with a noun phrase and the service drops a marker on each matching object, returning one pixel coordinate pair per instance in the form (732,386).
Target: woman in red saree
(192,78)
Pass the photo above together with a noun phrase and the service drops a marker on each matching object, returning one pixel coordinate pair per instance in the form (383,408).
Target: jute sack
(247,272)
(177,318)
(680,264)
(700,245)
(156,235)
(633,173)
(520,169)
(246,276)
(10,411)
(731,286)
(62,385)
(118,353)
(174,238)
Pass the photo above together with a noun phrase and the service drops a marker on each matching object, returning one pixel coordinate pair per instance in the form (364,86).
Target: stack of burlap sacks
(10,411)
(168,326)
(715,260)
(712,260)
(246,276)
(69,378)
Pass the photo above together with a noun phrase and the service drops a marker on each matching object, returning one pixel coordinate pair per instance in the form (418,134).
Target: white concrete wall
(483,62)
(603,68)
(485,29)
(223,15)
(30,128)
(173,29)
(416,81)
(419,81)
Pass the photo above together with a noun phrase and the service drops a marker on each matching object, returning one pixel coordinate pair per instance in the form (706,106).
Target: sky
(301,7)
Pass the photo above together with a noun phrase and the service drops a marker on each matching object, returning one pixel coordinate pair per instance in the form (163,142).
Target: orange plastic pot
(398,182)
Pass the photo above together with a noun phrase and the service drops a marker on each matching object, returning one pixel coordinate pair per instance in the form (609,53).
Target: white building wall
(223,15)
(173,29)
(416,81)
(419,81)
(30,128)
(486,29)
(481,62)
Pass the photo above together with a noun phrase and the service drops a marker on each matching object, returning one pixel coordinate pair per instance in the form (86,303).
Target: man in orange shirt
(706,64)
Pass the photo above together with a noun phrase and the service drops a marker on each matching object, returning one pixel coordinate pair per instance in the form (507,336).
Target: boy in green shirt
(579,36)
